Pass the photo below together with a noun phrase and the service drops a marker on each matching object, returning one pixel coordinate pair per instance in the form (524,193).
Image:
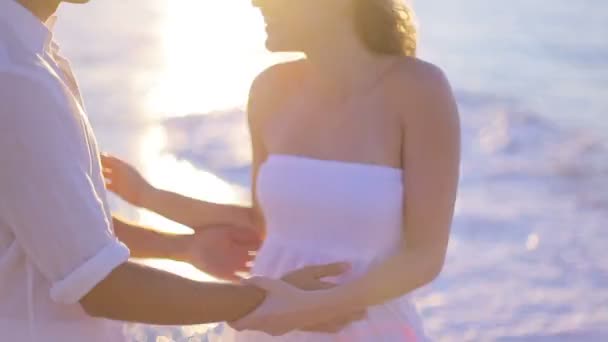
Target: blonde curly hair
(386,27)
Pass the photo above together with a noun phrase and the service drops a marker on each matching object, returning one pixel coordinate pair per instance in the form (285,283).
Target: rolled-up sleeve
(47,194)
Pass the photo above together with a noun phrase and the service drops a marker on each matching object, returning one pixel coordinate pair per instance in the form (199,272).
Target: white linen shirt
(56,237)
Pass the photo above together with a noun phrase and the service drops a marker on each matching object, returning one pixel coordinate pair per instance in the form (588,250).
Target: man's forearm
(195,213)
(136,293)
(146,243)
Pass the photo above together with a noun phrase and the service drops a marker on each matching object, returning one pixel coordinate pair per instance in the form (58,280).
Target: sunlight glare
(166,172)
(213,50)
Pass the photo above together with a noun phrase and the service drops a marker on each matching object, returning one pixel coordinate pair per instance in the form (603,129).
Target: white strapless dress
(320,211)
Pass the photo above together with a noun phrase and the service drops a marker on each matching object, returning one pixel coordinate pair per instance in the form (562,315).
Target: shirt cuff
(81,281)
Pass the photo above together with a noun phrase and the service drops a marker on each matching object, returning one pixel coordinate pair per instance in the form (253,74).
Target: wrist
(253,298)
(178,248)
(148,197)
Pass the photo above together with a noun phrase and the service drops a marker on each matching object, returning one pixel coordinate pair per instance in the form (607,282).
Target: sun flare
(212,51)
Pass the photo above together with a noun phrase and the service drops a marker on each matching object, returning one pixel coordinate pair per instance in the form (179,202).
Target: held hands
(297,302)
(219,250)
(124,180)
(293,304)
(222,251)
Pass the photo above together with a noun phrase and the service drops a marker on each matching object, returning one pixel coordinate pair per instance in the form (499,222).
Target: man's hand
(288,308)
(310,278)
(222,251)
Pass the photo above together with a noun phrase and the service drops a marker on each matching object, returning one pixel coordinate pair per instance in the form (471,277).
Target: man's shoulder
(22,89)
(27,100)
(6,62)
(12,52)
(16,60)
(23,76)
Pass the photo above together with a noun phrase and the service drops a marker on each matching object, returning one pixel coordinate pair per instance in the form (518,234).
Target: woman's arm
(266,95)
(431,157)
(194,213)
(268,91)
(257,107)
(263,98)
(126,182)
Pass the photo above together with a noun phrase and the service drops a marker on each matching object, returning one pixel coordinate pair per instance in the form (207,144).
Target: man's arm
(53,206)
(223,252)
(147,243)
(137,293)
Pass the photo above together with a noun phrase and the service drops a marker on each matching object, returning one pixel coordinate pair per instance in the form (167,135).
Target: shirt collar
(34,35)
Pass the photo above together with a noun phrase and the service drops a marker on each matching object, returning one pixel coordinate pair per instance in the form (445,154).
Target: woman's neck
(43,10)
(341,65)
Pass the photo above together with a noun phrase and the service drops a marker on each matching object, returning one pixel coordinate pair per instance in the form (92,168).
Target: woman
(355,157)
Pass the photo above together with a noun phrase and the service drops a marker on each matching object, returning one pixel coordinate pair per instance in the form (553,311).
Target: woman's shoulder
(277,76)
(272,86)
(418,74)
(419,86)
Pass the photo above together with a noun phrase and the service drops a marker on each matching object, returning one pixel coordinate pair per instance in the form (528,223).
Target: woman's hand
(310,278)
(298,302)
(124,180)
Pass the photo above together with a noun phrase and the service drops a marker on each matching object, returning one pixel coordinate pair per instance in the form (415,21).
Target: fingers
(110,187)
(338,324)
(109,162)
(243,270)
(244,265)
(309,278)
(106,167)
(108,181)
(246,236)
(240,276)
(357,316)
(328,270)
(328,328)
(308,284)
(108,159)
(249,262)
(322,285)
(235,278)
(267,284)
(107,175)
(106,164)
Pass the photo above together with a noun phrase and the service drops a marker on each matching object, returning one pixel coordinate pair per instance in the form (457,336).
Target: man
(64,276)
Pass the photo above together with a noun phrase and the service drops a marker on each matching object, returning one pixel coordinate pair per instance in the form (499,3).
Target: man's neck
(43,10)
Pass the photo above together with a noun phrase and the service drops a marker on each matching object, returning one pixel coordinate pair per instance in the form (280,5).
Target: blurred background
(165,82)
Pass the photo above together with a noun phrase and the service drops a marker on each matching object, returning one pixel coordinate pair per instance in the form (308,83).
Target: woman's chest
(361,132)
